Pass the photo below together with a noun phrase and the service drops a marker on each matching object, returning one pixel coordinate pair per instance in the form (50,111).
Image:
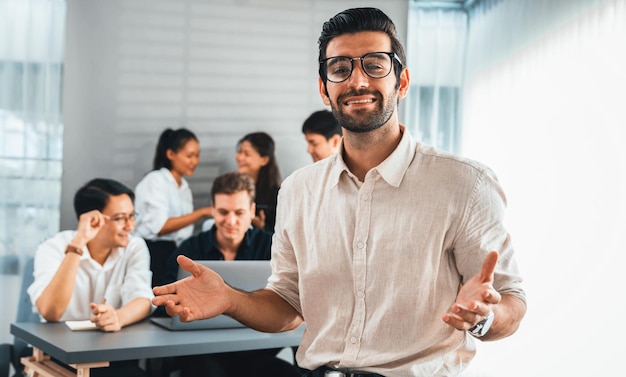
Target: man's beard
(364,121)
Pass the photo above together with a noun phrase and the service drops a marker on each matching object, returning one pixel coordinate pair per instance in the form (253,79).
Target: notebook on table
(247,275)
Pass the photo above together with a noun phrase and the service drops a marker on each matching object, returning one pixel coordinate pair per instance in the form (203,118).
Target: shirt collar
(241,250)
(392,169)
(337,166)
(170,177)
(116,254)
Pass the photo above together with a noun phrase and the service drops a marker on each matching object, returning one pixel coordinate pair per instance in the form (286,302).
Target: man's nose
(358,78)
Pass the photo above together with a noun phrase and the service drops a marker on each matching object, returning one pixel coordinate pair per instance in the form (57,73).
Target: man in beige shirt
(394,253)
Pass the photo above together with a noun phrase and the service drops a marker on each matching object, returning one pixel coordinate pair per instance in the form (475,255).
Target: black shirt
(256,245)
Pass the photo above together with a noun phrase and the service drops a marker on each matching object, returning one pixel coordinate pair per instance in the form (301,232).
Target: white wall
(221,68)
(550,120)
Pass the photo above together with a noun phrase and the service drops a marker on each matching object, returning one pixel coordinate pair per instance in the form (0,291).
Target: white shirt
(124,276)
(157,198)
(372,266)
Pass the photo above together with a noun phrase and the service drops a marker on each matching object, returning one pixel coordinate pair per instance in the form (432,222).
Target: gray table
(86,349)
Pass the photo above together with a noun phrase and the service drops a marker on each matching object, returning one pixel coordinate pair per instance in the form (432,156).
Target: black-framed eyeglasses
(122,220)
(375,64)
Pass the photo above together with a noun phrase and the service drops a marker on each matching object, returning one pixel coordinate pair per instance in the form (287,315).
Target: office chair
(5,359)
(10,354)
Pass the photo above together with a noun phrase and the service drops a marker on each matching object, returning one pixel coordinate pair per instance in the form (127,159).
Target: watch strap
(73,249)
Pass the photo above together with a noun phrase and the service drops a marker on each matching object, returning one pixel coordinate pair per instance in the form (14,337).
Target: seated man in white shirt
(100,271)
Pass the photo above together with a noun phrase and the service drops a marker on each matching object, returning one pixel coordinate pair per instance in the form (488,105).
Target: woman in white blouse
(164,201)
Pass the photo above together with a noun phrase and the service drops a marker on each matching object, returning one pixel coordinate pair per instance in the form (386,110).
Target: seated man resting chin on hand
(98,272)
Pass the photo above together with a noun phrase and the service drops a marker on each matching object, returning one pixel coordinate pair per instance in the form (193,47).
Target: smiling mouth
(359,101)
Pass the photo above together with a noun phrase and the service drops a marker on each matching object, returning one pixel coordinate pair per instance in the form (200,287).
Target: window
(31,134)
(435,58)
(30,128)
(433,115)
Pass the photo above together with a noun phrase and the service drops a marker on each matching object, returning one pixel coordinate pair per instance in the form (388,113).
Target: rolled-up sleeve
(482,231)
(284,279)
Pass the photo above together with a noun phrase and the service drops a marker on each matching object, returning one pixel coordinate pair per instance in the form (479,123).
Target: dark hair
(354,20)
(322,122)
(232,183)
(269,175)
(95,194)
(170,139)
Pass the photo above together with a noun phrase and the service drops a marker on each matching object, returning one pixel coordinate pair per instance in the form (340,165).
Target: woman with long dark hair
(256,157)
(164,200)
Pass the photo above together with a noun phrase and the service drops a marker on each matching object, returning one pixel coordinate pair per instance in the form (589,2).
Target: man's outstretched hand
(475,298)
(201,295)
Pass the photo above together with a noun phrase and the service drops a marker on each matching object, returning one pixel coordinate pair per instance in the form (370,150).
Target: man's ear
(335,140)
(405,79)
(323,92)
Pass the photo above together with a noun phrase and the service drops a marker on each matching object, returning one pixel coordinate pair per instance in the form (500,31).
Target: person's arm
(108,318)
(154,196)
(55,298)
(507,317)
(477,298)
(136,293)
(205,295)
(176,223)
(258,221)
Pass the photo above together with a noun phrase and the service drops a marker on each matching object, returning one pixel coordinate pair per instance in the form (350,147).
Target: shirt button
(360,245)
(353,340)
(365,197)
(360,295)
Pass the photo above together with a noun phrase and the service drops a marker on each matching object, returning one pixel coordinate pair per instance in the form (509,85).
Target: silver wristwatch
(481,328)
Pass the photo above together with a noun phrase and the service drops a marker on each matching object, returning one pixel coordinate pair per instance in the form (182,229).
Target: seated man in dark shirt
(230,238)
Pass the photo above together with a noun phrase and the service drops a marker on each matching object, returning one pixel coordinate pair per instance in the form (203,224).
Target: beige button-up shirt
(372,266)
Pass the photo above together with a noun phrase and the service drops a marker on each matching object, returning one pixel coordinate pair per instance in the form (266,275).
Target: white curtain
(544,106)
(435,48)
(31,51)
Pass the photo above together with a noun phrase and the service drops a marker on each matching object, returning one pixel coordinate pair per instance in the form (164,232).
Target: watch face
(483,326)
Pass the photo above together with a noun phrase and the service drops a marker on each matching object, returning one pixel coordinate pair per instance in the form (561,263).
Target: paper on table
(81,325)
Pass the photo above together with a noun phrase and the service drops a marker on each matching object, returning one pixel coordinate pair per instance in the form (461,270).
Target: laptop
(247,275)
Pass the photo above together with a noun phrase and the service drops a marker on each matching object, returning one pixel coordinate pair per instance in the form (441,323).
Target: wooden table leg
(40,365)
